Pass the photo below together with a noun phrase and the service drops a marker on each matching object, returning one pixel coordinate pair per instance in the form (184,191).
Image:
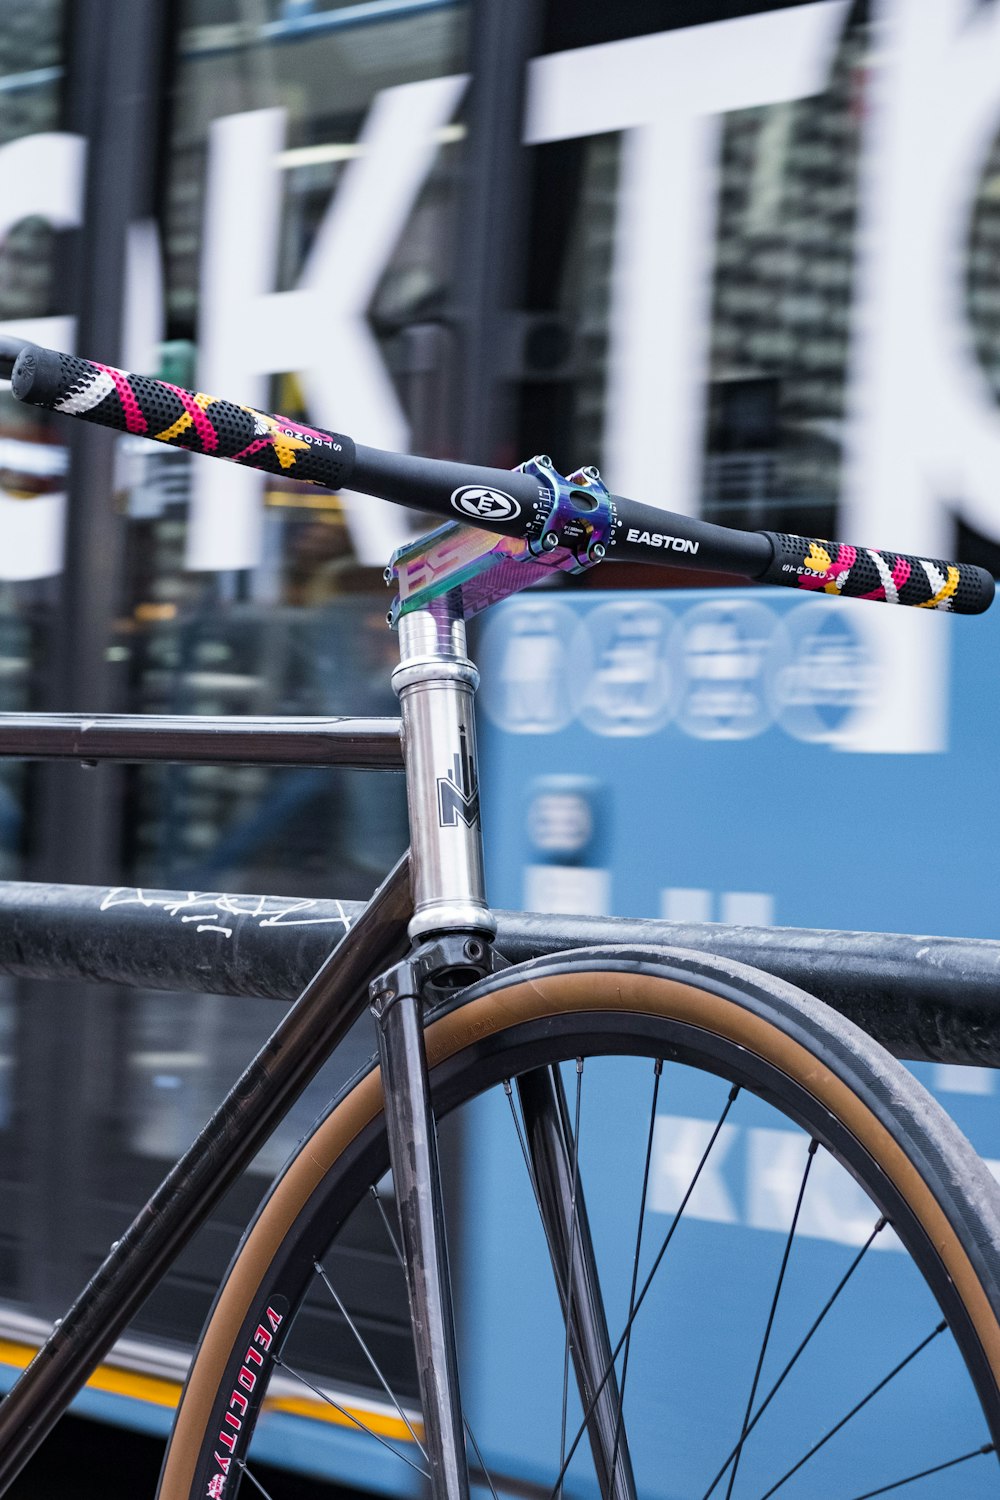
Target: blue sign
(691,759)
(719,726)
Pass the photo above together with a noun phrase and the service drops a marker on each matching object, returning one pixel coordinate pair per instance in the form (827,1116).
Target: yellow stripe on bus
(385,1426)
(115,1382)
(159,1392)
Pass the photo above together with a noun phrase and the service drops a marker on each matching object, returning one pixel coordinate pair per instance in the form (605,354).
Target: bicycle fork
(452,931)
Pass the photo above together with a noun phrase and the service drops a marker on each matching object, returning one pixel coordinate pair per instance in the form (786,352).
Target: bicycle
(464,1035)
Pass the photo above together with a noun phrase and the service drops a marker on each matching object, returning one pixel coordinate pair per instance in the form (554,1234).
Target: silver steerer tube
(436,683)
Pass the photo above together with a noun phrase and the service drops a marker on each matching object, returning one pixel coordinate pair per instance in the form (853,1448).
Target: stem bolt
(550,540)
(597,552)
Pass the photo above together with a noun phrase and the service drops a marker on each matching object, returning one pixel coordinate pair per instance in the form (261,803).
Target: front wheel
(796,1251)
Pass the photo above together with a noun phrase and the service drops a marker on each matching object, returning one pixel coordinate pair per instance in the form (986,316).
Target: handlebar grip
(864,573)
(185,419)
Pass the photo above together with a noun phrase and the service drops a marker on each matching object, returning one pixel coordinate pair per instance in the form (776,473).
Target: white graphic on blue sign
(829,676)
(678,1147)
(564,829)
(953,1078)
(525,656)
(623,654)
(724,653)
(560,817)
(737,908)
(728,668)
(758,1185)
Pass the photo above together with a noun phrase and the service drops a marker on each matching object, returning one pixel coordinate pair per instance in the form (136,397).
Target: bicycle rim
(666,1042)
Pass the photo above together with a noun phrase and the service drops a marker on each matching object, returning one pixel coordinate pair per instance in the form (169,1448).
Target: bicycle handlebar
(496,500)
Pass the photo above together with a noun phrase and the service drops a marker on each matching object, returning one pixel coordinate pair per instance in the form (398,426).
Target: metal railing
(931,998)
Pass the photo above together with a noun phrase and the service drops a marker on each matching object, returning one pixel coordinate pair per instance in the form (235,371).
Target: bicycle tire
(723,1018)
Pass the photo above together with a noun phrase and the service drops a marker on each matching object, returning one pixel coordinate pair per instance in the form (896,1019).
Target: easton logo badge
(484,504)
(458,792)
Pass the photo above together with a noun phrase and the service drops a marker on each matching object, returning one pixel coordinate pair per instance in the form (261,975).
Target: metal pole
(490,229)
(365,744)
(931,998)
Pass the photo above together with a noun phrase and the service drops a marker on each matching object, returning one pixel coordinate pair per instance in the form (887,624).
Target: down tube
(305,1038)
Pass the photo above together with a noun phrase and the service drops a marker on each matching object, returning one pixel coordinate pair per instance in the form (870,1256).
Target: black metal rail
(935,998)
(369,744)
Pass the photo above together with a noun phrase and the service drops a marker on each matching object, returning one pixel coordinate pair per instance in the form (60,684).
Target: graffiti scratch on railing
(208,911)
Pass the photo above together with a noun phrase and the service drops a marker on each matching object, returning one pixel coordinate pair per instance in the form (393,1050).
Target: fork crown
(569,531)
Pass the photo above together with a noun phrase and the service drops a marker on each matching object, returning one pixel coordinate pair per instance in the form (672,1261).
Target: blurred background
(741,256)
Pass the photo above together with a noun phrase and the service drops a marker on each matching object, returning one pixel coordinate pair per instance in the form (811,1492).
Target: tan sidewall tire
(509,1004)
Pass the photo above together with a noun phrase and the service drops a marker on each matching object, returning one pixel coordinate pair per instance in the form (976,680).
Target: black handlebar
(497,500)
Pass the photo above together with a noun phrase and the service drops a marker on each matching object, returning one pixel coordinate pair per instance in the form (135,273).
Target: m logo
(484,504)
(458,791)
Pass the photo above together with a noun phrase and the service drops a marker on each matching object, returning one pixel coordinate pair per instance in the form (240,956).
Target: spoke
(482,1462)
(855,1409)
(388,1227)
(324,1396)
(321,1272)
(570,1253)
(248,1474)
(528,1167)
(810,1156)
(762,1408)
(657,1072)
(524,1150)
(733,1093)
(472,1436)
(925,1473)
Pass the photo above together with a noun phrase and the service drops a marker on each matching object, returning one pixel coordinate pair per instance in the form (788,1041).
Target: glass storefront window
(172,1088)
(32,456)
(32,485)
(324,70)
(982,279)
(784,270)
(304,631)
(295,832)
